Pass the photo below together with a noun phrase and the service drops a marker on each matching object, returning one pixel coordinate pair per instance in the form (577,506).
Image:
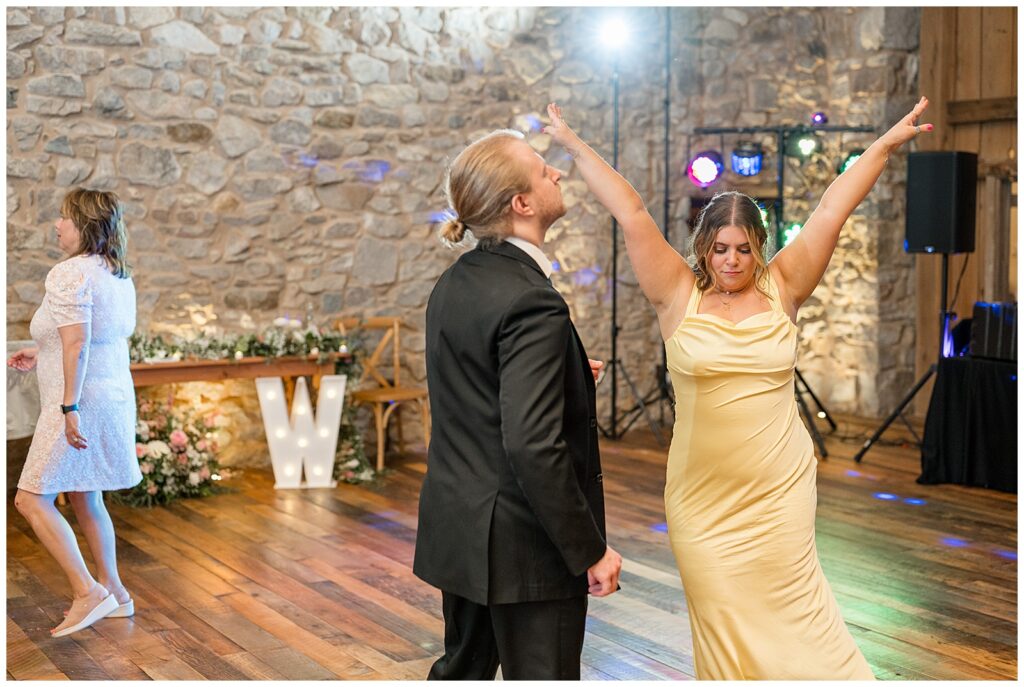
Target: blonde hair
(99,217)
(729,208)
(480,185)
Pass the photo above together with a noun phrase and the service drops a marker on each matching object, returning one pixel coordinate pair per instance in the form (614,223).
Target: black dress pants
(534,640)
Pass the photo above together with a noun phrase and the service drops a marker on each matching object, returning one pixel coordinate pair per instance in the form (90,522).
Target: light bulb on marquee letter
(308,442)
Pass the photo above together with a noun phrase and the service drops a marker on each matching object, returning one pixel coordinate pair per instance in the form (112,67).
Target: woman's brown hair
(480,185)
(729,208)
(99,217)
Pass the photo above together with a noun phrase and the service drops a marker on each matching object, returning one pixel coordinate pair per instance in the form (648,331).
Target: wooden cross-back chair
(389,394)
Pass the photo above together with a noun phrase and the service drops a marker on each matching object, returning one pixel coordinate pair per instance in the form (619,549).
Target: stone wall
(277,159)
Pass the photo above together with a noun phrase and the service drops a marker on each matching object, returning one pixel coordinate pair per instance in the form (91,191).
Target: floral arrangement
(350,462)
(177,456)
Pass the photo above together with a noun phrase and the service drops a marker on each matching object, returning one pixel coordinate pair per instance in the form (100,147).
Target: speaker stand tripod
(805,411)
(943,325)
(638,409)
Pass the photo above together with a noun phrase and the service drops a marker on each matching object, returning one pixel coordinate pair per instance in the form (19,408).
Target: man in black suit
(511,520)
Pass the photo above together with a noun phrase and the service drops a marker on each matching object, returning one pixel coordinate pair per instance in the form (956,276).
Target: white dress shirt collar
(534,252)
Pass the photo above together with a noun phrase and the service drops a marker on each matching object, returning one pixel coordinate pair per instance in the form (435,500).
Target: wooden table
(197,370)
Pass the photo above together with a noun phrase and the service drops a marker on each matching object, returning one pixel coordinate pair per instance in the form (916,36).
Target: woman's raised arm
(803,262)
(660,270)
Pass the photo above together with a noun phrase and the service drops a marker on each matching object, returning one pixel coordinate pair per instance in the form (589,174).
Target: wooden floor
(288,585)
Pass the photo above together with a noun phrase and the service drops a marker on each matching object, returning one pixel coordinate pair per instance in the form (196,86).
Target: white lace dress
(82,289)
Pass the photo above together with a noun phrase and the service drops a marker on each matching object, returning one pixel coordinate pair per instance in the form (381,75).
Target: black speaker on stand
(942,189)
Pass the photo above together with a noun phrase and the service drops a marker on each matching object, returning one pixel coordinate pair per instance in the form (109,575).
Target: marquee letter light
(305,443)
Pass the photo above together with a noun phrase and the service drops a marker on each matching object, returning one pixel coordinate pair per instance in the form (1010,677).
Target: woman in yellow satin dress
(740,491)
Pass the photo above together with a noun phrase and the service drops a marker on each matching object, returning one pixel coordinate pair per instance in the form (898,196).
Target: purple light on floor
(1004,553)
(853,473)
(915,502)
(660,527)
(884,496)
(954,542)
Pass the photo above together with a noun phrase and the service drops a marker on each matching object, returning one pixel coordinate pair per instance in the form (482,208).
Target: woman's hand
(560,131)
(24,360)
(907,128)
(74,437)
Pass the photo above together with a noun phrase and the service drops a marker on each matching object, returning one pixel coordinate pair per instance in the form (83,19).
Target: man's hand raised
(603,576)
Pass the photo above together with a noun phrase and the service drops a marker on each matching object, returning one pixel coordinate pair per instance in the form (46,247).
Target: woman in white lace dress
(84,442)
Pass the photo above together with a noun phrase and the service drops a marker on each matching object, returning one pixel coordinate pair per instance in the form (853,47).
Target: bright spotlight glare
(614,33)
(806,146)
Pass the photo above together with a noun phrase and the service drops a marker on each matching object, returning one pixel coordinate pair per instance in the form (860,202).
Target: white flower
(193,479)
(280,321)
(365,474)
(142,429)
(351,464)
(157,448)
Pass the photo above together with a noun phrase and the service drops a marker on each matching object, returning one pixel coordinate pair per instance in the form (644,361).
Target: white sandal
(125,610)
(102,609)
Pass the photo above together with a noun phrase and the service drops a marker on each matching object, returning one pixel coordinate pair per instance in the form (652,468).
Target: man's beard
(554,213)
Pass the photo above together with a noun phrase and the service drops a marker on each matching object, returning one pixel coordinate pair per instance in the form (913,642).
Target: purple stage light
(660,527)
(915,502)
(819,119)
(705,168)
(1004,553)
(885,497)
(954,542)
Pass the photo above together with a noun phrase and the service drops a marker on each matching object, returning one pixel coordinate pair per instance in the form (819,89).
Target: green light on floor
(790,232)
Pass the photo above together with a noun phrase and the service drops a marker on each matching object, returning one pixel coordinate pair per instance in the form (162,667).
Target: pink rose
(146,468)
(201,445)
(182,459)
(179,438)
(204,473)
(151,490)
(140,450)
(349,474)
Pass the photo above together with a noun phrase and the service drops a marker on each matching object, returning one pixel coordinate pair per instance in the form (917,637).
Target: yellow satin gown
(740,497)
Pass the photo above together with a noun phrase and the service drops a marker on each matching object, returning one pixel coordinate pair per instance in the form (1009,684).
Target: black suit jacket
(512,506)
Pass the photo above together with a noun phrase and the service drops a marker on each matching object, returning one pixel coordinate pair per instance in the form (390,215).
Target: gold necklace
(732,294)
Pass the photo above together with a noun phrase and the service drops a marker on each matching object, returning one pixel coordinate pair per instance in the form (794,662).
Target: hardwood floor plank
(265,584)
(25,661)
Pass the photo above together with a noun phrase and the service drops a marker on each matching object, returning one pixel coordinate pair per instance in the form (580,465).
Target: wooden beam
(979,111)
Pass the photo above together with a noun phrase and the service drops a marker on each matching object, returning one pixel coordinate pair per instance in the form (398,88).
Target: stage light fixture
(850,158)
(614,33)
(747,158)
(801,145)
(705,168)
(819,119)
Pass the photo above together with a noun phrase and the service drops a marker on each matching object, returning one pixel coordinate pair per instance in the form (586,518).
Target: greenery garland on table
(166,475)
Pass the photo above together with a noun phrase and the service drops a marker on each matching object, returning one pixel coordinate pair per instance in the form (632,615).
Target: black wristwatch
(69,409)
